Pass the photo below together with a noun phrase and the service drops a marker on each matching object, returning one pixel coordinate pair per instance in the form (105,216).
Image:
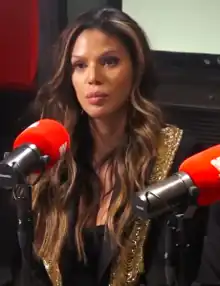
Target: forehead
(95,42)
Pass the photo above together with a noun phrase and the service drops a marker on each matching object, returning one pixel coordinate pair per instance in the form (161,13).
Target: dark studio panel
(189,92)
(204,124)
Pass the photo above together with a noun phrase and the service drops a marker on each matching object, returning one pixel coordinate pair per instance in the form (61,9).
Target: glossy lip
(96,94)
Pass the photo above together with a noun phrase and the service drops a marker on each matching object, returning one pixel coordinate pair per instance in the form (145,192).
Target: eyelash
(109,61)
(77,65)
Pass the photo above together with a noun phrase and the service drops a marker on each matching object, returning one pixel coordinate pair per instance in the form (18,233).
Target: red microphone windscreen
(204,170)
(49,136)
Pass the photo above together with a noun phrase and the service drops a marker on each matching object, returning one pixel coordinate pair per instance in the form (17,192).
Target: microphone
(39,146)
(197,182)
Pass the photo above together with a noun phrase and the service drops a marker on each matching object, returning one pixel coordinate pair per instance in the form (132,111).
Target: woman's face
(101,73)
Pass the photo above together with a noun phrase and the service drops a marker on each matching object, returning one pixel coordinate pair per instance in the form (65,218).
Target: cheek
(77,84)
(122,81)
(74,81)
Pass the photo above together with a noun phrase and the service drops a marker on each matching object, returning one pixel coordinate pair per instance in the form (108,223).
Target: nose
(94,75)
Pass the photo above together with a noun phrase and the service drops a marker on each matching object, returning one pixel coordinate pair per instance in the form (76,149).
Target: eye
(110,61)
(78,66)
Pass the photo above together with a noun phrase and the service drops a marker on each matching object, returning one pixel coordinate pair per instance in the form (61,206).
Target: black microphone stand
(176,246)
(13,177)
(23,198)
(181,211)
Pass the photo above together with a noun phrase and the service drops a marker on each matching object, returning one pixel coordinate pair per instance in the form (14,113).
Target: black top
(78,273)
(100,254)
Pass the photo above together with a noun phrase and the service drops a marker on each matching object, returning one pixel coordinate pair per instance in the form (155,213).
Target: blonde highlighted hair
(130,161)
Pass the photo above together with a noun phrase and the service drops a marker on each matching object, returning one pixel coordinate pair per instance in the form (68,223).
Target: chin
(97,115)
(98,112)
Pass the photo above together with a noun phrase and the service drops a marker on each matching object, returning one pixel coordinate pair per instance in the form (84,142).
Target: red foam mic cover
(204,170)
(49,136)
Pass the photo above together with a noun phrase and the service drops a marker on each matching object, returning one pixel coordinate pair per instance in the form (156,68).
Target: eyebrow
(106,53)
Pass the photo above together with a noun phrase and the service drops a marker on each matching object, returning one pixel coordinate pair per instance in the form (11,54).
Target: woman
(87,232)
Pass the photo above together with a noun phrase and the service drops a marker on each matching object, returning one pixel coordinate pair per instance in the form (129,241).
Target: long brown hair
(129,161)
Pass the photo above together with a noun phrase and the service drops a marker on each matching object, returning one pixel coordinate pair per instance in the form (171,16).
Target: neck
(107,133)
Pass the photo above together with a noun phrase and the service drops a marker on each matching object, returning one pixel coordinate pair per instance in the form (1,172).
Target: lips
(96,98)
(96,94)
